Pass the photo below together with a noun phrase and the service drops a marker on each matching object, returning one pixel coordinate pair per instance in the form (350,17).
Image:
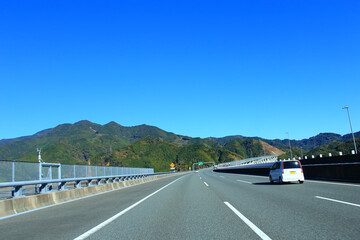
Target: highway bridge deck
(204,205)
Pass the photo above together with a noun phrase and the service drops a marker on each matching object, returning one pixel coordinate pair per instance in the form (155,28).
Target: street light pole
(289,144)
(347,108)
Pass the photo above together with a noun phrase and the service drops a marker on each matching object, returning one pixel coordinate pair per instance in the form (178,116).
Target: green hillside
(157,153)
(305,144)
(83,139)
(335,147)
(247,148)
(77,151)
(116,145)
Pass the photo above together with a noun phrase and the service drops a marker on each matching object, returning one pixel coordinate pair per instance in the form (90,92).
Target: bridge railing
(18,175)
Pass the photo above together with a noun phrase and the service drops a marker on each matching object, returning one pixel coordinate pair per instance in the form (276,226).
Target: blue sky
(196,68)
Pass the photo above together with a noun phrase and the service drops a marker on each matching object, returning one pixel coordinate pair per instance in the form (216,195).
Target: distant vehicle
(286,171)
(197,171)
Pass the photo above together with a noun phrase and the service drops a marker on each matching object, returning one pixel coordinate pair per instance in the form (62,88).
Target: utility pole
(347,108)
(289,145)
(39,154)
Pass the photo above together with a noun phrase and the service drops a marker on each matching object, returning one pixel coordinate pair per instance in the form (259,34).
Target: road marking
(244,181)
(200,178)
(257,176)
(69,201)
(257,230)
(343,184)
(338,201)
(103,224)
(206,184)
(222,176)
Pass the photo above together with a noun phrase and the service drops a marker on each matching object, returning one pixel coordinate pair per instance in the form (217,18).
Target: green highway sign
(200,163)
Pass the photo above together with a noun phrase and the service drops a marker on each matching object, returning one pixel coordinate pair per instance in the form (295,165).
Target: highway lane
(69,220)
(188,209)
(204,205)
(291,210)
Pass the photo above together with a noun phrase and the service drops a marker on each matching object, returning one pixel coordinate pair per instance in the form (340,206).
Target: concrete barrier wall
(251,171)
(339,172)
(22,204)
(335,159)
(340,168)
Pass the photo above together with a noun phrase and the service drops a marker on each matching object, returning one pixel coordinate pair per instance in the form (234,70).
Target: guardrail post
(18,191)
(77,184)
(13,176)
(13,172)
(59,171)
(90,183)
(99,181)
(43,188)
(62,186)
(50,175)
(40,171)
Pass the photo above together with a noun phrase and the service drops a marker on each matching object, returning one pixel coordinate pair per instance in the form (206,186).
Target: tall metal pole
(289,145)
(347,108)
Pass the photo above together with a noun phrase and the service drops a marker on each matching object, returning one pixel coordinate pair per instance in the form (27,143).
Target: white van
(286,171)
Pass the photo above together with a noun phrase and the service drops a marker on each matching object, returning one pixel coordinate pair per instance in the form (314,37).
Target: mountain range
(149,146)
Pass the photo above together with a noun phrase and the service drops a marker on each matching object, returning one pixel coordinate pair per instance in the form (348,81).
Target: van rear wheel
(271,180)
(301,182)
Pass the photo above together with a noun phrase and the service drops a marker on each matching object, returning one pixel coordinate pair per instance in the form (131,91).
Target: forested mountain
(146,146)
(306,144)
(335,147)
(157,153)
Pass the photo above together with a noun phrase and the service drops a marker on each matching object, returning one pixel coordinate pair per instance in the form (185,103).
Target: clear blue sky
(196,68)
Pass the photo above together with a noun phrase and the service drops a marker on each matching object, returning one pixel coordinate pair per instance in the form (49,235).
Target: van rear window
(291,165)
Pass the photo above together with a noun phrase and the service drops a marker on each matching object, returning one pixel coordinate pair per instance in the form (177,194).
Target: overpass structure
(255,162)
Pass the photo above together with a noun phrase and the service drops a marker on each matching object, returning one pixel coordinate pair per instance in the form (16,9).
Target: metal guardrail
(18,175)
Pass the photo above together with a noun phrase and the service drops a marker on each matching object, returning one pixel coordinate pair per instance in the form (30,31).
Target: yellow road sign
(172,165)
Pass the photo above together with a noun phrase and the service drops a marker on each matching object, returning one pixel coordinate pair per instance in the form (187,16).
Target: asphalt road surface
(204,205)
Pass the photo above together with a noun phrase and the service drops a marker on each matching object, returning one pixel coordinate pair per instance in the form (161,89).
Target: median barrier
(340,168)
(262,169)
(22,204)
(337,172)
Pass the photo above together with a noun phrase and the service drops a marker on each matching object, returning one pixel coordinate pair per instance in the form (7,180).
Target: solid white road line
(258,176)
(338,201)
(257,230)
(69,201)
(244,181)
(103,224)
(206,184)
(334,183)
